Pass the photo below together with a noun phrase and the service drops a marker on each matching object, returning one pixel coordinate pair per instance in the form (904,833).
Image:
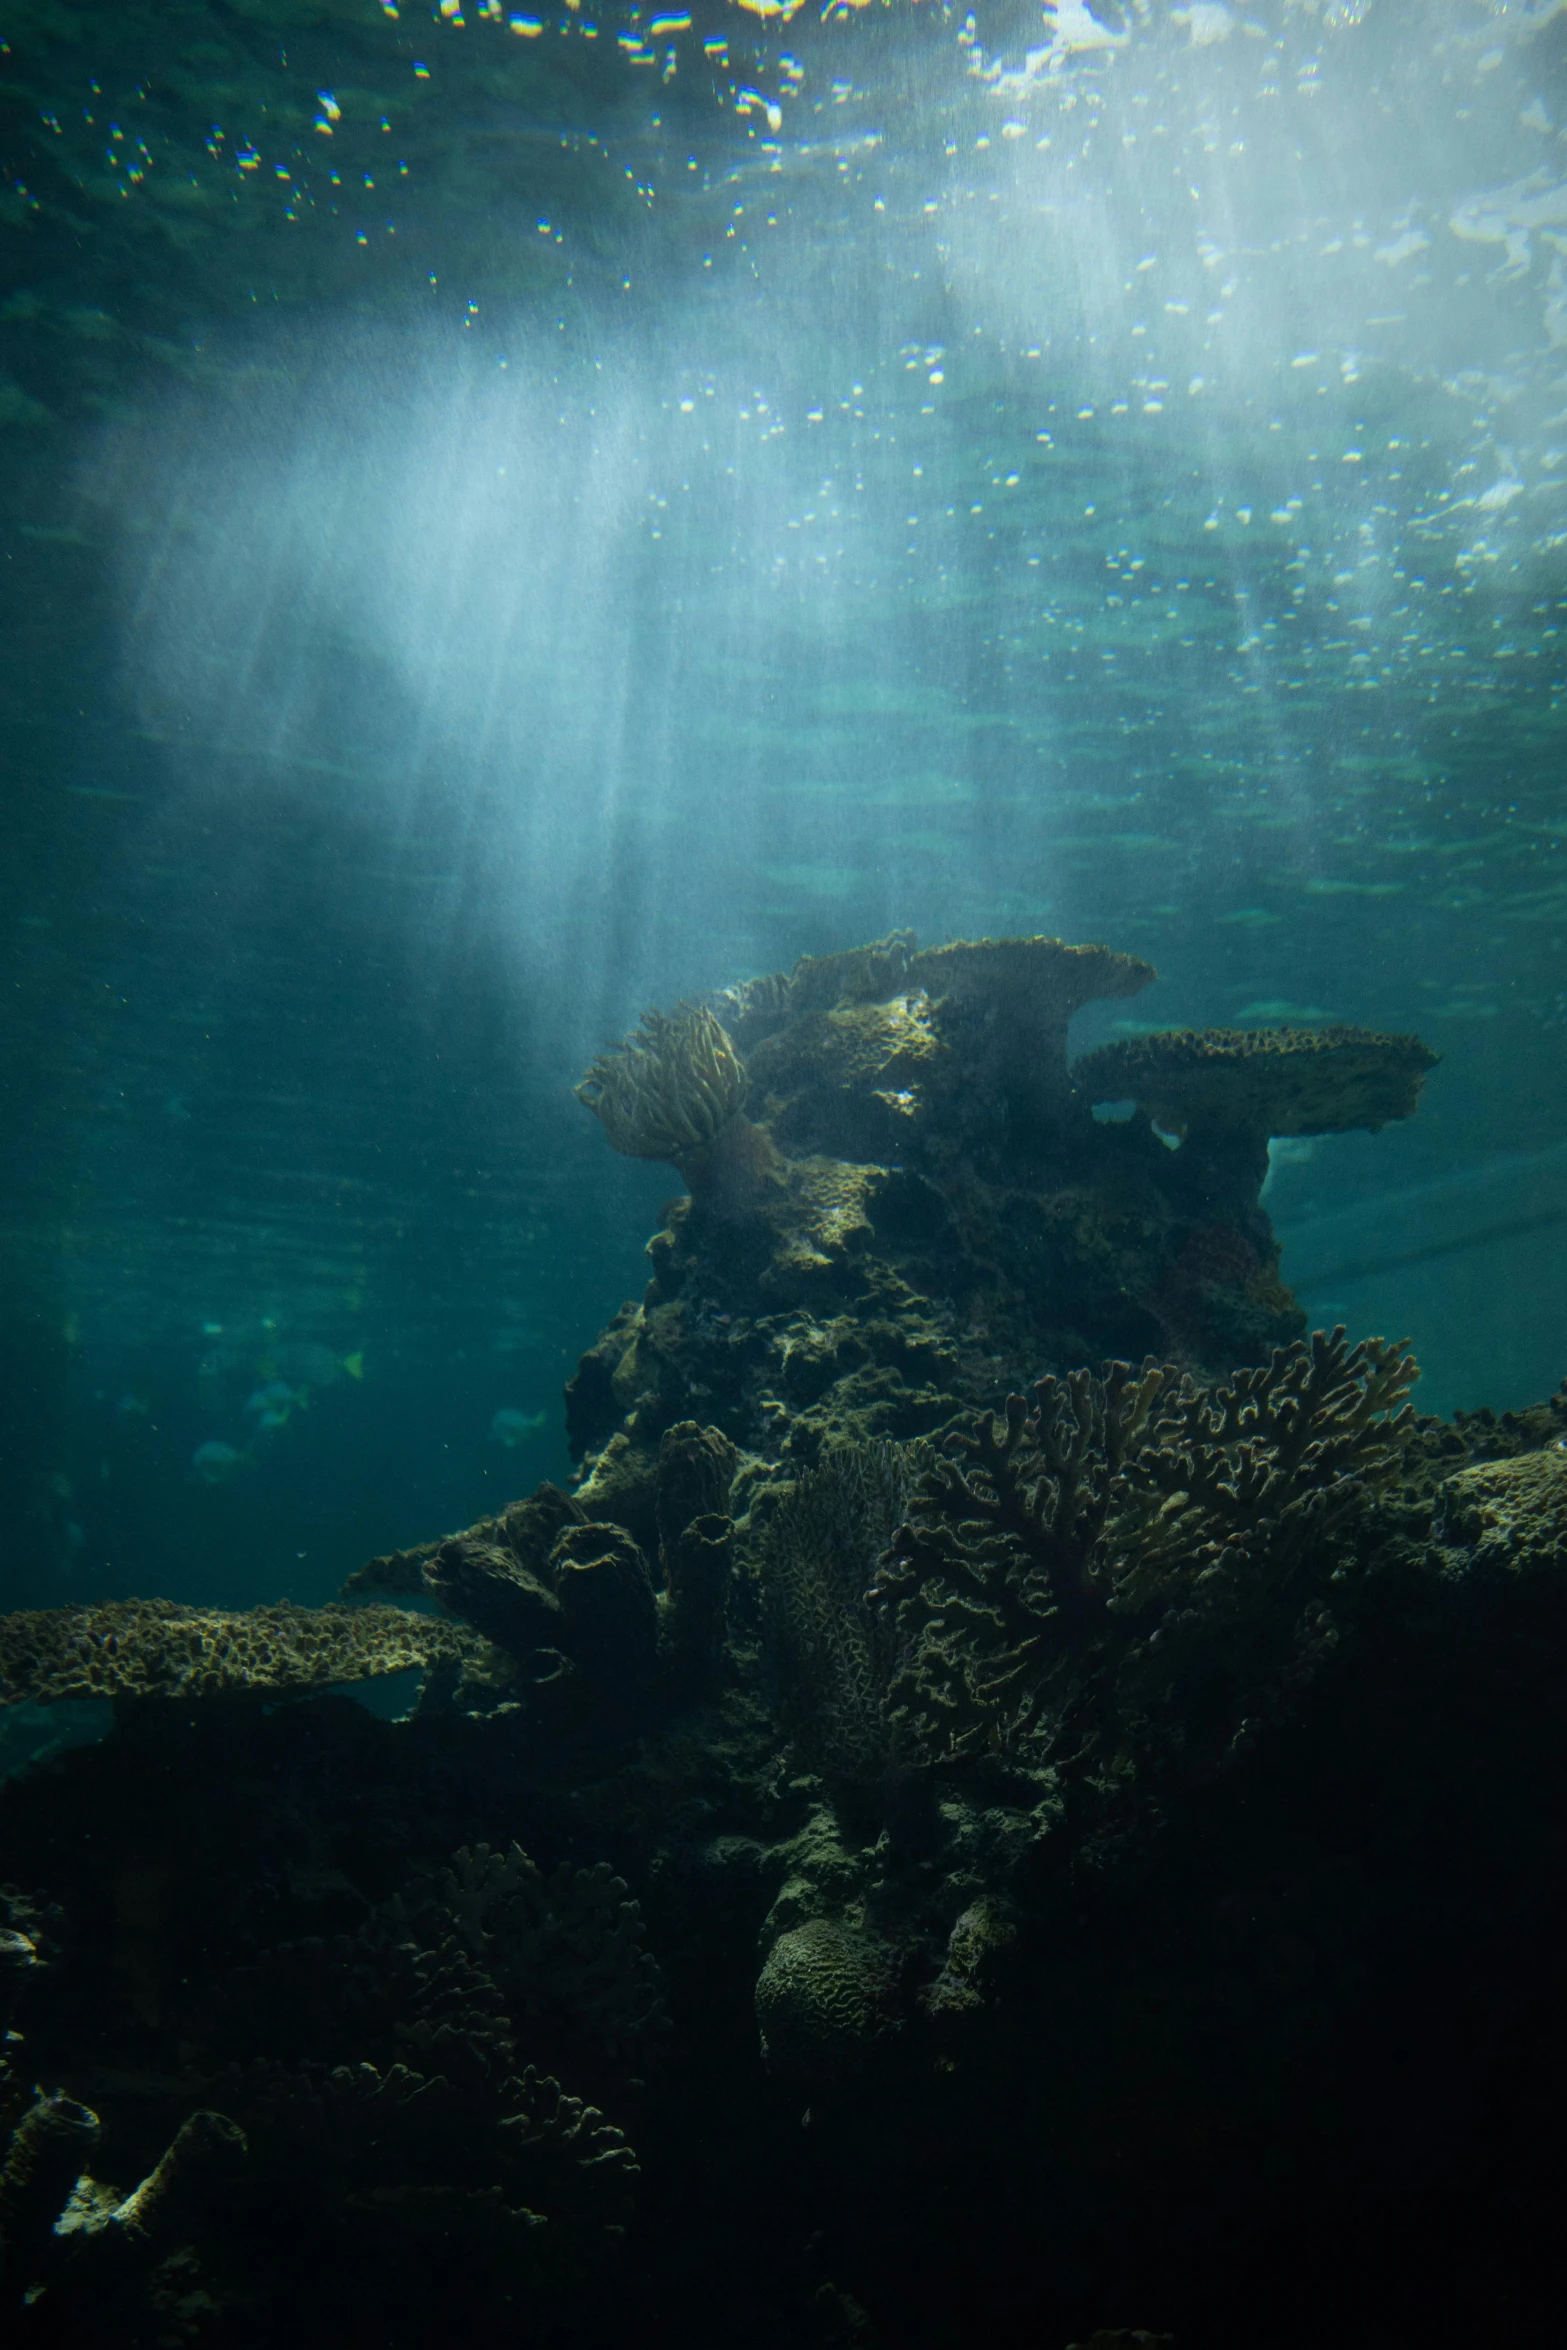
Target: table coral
(152,1648)
(1270,1080)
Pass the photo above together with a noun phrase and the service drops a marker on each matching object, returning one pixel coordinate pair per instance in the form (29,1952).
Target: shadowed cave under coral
(1017,1792)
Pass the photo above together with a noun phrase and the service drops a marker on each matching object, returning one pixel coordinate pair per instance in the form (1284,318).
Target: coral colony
(998,1689)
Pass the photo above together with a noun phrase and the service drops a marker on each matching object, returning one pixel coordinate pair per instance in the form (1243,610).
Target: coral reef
(141,1648)
(1023,1788)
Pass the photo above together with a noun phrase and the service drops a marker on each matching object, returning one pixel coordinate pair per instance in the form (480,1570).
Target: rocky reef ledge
(1018,1791)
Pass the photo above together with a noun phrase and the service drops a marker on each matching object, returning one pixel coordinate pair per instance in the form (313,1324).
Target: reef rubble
(1017,1788)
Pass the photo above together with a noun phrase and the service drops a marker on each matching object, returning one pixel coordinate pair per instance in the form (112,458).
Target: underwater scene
(783,1231)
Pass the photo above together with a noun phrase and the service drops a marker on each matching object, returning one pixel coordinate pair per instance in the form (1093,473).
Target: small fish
(271,1406)
(510,1426)
(215,1462)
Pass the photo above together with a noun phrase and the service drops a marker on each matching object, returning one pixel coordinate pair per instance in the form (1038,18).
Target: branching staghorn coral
(1066,1560)
(669,1089)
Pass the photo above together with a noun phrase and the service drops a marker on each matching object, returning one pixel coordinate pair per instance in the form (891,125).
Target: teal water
(510,518)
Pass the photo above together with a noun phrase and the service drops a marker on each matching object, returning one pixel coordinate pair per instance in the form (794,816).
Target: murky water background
(506,525)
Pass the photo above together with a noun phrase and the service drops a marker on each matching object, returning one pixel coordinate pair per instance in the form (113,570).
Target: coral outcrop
(1016,1787)
(944,1216)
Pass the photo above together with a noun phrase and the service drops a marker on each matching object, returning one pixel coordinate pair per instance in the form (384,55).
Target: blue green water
(511,518)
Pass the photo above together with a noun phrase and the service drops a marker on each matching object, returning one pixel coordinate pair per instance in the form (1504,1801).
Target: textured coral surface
(151,1648)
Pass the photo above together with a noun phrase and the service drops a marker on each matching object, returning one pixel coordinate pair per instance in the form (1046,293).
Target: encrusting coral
(1509,1515)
